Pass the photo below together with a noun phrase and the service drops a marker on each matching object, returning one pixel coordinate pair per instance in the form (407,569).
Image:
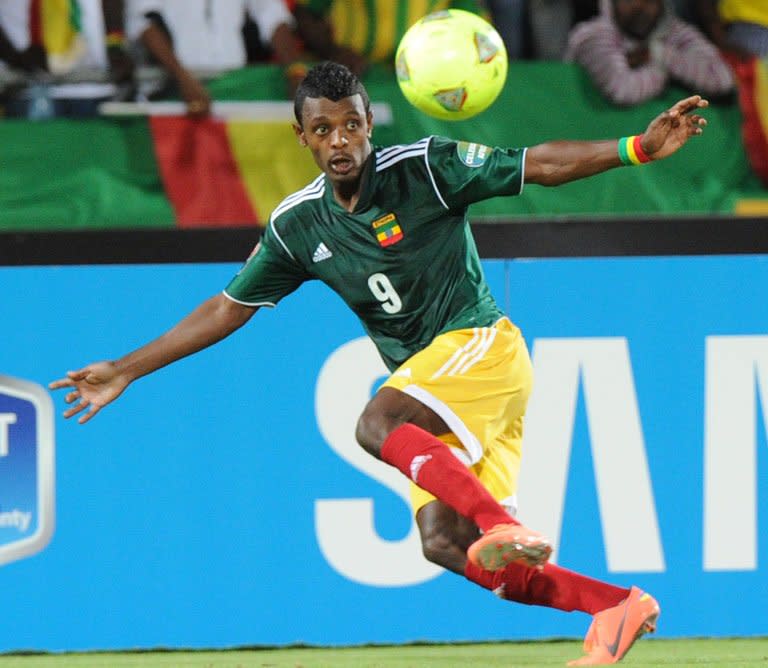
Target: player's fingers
(700,104)
(84,403)
(62,382)
(72,396)
(696,125)
(699,126)
(91,412)
(685,105)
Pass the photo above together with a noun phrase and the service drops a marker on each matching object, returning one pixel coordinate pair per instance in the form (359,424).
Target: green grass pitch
(720,653)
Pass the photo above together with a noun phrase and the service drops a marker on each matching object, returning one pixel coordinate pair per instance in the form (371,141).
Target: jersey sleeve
(467,172)
(269,274)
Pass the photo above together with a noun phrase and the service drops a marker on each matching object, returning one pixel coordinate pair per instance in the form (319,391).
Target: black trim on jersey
(719,235)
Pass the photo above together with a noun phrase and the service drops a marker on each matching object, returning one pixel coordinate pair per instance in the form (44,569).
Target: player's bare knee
(371,431)
(379,419)
(363,436)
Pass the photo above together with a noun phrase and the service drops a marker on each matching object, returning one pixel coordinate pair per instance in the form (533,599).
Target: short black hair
(332,81)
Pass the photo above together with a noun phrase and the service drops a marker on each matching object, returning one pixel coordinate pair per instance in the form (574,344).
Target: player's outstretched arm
(557,162)
(100,383)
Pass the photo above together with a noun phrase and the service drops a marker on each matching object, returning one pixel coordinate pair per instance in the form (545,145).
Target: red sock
(553,587)
(430,464)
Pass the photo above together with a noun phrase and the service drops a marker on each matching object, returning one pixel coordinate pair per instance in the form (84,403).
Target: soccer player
(386,228)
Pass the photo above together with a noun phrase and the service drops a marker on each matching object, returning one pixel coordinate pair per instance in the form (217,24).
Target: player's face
(338,134)
(638,18)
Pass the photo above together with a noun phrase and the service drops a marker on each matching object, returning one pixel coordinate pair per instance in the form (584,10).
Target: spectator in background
(635,48)
(509,19)
(189,38)
(73,53)
(358,32)
(685,9)
(540,26)
(30,59)
(550,23)
(736,26)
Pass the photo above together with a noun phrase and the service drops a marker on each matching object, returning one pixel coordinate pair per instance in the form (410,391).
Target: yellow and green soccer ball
(451,64)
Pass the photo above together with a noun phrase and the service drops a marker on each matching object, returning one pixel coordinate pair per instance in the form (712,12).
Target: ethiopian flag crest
(387,230)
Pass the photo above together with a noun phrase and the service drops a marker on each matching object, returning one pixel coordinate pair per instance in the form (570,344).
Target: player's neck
(347,194)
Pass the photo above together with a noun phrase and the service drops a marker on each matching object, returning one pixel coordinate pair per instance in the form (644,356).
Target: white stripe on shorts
(461,351)
(470,354)
(491,335)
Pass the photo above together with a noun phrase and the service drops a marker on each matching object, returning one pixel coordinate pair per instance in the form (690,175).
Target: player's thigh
(387,410)
(477,380)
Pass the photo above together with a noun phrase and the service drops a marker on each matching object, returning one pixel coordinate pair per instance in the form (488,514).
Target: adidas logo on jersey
(321,253)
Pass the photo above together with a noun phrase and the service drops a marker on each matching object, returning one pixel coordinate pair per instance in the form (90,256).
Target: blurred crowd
(67,57)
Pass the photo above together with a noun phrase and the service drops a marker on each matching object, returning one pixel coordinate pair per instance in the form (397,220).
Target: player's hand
(672,128)
(92,388)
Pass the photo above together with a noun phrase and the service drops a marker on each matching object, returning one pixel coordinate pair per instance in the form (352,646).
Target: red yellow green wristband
(631,151)
(115,38)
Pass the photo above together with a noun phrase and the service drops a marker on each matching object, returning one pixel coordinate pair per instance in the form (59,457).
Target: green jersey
(404,259)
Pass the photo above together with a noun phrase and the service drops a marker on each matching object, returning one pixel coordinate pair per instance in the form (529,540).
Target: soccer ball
(451,64)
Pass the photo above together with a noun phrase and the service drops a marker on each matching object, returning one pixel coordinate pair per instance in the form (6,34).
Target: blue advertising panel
(26,469)
(222,501)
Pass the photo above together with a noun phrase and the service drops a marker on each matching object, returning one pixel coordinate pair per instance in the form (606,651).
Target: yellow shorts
(478,381)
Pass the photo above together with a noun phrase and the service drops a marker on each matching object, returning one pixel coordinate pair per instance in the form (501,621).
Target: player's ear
(369,120)
(300,134)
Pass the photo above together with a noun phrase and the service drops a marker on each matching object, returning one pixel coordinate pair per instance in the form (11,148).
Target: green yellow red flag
(752,78)
(227,172)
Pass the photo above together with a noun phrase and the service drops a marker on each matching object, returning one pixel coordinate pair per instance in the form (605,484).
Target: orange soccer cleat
(614,630)
(507,543)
